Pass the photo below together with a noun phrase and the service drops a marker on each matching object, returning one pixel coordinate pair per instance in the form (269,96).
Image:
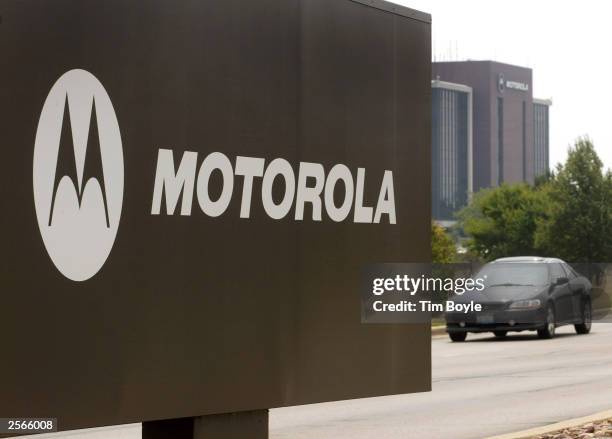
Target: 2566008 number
(38,425)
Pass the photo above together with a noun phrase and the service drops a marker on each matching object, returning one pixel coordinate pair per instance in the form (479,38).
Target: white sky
(567,44)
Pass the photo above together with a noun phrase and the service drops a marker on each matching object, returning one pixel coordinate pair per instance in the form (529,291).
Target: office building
(508,133)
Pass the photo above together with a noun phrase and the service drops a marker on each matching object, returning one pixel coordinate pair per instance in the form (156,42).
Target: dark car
(524,294)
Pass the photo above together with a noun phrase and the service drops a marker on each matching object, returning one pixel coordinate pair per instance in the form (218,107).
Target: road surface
(481,387)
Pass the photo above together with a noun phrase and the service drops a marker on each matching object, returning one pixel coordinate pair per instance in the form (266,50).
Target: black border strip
(396,9)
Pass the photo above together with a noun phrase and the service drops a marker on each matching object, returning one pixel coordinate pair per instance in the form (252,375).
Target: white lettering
(306,194)
(339,172)
(517,85)
(386,199)
(215,161)
(312,187)
(249,167)
(172,184)
(275,168)
(362,214)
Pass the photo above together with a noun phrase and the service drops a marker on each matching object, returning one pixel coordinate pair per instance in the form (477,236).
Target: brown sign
(190,192)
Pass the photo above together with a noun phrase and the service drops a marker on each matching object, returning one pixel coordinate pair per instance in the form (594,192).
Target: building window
(541,139)
(500,140)
(524,122)
(449,152)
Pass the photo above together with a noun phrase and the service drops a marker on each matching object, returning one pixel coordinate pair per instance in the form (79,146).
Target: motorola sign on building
(504,131)
(192,192)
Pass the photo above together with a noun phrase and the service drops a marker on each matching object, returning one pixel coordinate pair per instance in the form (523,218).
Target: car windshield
(513,274)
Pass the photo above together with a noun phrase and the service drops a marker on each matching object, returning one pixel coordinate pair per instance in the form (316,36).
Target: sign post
(241,425)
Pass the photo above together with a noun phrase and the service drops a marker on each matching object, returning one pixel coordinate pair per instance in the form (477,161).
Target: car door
(561,294)
(577,289)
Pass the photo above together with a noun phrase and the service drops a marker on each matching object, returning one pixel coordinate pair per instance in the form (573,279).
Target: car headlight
(526,304)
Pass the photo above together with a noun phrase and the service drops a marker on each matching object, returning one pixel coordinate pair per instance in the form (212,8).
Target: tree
(442,246)
(502,221)
(578,227)
(567,214)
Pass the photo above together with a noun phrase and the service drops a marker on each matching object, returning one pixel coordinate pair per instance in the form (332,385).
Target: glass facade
(451,150)
(541,137)
(500,141)
(524,139)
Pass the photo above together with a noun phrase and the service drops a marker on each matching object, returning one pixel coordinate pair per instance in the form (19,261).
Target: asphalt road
(481,387)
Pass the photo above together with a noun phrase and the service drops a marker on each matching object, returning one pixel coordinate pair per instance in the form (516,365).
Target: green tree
(502,221)
(578,227)
(442,246)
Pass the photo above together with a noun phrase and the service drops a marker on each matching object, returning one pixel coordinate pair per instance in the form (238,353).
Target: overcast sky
(567,44)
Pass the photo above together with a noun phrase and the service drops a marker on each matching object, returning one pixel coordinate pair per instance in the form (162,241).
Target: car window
(513,273)
(571,274)
(557,271)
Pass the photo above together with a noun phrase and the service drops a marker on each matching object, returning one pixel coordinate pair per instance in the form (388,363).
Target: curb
(547,429)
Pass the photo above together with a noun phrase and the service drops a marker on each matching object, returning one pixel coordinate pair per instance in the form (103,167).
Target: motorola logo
(501,83)
(78,175)
(78,181)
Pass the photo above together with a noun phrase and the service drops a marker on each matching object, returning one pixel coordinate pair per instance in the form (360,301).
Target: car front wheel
(585,326)
(457,336)
(548,331)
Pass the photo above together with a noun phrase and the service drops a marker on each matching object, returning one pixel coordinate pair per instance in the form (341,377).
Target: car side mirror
(562,280)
